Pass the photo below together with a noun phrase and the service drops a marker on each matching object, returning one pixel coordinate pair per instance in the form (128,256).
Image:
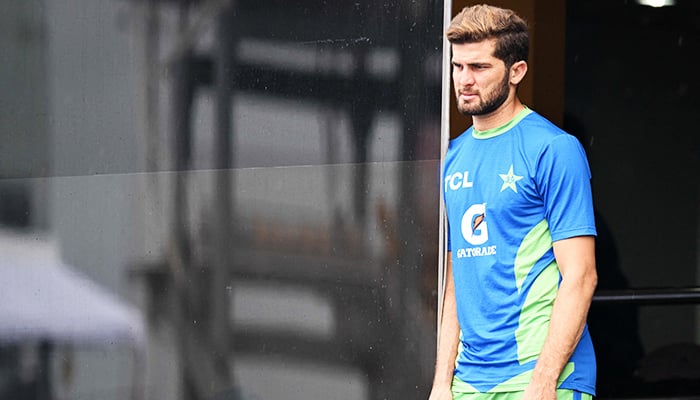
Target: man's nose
(465,77)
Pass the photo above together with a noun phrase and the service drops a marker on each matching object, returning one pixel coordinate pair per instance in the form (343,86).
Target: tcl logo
(458,180)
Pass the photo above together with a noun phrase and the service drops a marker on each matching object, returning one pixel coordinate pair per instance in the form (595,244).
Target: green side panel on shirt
(519,382)
(562,394)
(535,244)
(459,386)
(536,313)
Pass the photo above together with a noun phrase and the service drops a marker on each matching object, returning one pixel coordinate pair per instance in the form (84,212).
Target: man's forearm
(447,348)
(566,326)
(568,319)
(448,342)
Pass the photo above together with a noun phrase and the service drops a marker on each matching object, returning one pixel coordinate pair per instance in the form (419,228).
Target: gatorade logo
(476,232)
(474,227)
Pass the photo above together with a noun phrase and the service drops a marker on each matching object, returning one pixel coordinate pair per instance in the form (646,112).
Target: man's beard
(489,104)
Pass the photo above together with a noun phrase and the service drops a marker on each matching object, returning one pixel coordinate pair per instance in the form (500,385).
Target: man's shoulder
(539,133)
(541,125)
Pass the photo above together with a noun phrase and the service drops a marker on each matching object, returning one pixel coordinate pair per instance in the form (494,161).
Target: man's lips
(467,95)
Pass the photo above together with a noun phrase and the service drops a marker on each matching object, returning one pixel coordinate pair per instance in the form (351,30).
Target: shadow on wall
(614,327)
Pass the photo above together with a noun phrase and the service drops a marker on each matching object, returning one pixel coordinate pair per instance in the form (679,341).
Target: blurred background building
(236,199)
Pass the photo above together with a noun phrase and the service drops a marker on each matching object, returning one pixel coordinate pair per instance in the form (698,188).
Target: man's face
(481,81)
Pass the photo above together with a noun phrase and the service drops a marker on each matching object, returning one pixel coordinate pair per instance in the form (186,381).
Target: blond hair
(483,22)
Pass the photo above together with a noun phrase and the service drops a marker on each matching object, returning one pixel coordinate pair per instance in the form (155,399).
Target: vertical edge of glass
(444,140)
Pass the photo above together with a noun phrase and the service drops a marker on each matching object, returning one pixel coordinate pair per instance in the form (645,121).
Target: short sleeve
(564,182)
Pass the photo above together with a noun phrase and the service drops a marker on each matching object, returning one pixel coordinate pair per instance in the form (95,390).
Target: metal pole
(651,296)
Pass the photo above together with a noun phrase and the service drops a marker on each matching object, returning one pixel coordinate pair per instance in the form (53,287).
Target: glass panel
(629,98)
(205,200)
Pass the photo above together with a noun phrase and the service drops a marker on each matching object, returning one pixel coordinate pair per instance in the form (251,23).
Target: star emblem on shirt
(509,180)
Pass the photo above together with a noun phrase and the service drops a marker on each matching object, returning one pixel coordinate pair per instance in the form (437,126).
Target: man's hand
(448,342)
(440,393)
(534,391)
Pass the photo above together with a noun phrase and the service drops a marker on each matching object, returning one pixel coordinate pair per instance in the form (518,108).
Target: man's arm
(448,342)
(576,259)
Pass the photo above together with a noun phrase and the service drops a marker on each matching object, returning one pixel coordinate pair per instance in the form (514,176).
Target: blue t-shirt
(510,192)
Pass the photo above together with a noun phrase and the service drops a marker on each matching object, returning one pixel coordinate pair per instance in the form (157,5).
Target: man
(521,265)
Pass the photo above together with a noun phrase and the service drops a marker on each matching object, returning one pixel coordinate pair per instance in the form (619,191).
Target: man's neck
(506,112)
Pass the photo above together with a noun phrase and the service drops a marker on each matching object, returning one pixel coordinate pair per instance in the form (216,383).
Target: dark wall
(631,98)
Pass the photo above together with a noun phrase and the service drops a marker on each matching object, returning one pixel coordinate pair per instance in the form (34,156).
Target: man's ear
(517,72)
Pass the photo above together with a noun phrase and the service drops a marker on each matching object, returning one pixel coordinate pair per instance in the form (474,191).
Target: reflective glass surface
(219,199)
